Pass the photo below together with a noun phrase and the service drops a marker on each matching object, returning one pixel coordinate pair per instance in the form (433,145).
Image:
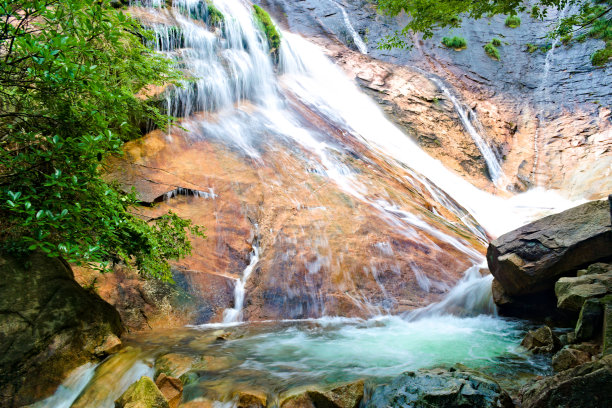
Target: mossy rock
(142,394)
(269,29)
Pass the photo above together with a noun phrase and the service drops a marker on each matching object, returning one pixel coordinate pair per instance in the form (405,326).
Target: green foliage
(513,21)
(425,16)
(267,26)
(496,42)
(492,51)
(601,57)
(454,42)
(215,17)
(531,48)
(70,73)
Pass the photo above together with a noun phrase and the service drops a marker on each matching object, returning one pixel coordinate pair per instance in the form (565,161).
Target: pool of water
(275,357)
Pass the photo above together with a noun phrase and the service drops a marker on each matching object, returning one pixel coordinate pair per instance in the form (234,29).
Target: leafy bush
(492,51)
(267,26)
(214,16)
(513,21)
(68,86)
(531,48)
(601,57)
(454,42)
(496,42)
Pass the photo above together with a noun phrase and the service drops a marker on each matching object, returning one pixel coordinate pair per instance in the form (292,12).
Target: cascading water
(359,43)
(543,89)
(234,315)
(495,170)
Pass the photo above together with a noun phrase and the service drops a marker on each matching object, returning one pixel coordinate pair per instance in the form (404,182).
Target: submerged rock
(49,326)
(542,340)
(173,364)
(440,388)
(142,394)
(250,399)
(585,386)
(532,258)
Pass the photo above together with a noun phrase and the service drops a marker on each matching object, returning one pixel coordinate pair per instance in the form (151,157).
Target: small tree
(70,71)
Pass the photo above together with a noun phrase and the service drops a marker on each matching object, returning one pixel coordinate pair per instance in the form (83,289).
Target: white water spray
(359,43)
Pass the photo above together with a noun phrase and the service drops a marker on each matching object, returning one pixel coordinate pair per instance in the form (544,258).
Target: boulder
(142,394)
(49,325)
(532,258)
(171,388)
(596,268)
(542,340)
(590,320)
(585,386)
(440,388)
(567,358)
(573,292)
(607,330)
(343,396)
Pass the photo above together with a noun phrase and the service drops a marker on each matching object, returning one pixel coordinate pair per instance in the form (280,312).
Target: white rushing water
(359,43)
(234,315)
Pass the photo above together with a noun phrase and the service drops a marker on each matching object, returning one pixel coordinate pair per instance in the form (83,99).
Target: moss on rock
(269,29)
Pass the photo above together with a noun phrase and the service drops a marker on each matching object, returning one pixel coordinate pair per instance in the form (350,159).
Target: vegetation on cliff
(591,18)
(267,26)
(70,73)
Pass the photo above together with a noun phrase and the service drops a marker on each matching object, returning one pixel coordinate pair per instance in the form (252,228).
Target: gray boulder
(49,325)
(572,292)
(440,388)
(532,258)
(542,340)
(568,358)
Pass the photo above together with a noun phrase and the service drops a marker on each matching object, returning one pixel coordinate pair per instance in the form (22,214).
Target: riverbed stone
(532,258)
(173,364)
(142,394)
(171,388)
(542,340)
(347,395)
(567,358)
(440,388)
(584,386)
(250,399)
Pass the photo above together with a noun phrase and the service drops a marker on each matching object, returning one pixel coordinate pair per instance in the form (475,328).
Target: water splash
(70,389)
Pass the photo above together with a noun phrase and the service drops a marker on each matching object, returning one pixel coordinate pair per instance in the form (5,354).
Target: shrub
(496,42)
(267,26)
(214,16)
(454,42)
(492,51)
(531,48)
(601,57)
(513,21)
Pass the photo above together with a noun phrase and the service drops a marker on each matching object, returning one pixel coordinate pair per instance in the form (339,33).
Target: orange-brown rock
(171,388)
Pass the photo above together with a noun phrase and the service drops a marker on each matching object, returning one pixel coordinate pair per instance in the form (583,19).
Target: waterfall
(359,43)
(495,170)
(543,88)
(234,315)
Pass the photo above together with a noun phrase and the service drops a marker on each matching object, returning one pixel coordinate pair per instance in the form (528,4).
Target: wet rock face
(585,386)
(531,258)
(50,325)
(322,251)
(542,340)
(440,388)
(343,396)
